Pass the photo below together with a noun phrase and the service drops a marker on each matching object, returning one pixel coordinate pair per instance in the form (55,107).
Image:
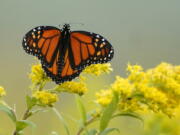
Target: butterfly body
(64,54)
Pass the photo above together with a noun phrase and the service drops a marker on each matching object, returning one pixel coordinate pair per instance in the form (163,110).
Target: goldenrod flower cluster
(156,89)
(39,78)
(45,98)
(37,75)
(2,91)
(98,69)
(72,87)
(80,86)
(104,97)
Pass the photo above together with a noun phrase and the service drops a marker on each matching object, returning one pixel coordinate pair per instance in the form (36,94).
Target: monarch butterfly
(64,54)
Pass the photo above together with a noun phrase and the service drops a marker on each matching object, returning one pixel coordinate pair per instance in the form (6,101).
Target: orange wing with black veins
(43,42)
(88,48)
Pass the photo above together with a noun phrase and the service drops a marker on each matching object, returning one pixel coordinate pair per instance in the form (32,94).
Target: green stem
(41,86)
(25,116)
(15,133)
(91,120)
(62,120)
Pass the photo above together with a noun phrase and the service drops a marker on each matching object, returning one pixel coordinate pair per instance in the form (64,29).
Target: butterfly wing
(67,73)
(43,42)
(88,48)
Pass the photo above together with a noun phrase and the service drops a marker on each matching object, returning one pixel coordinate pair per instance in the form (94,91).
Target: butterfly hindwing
(43,42)
(66,72)
(88,48)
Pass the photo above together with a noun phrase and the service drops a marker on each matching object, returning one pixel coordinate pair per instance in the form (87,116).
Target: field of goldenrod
(136,93)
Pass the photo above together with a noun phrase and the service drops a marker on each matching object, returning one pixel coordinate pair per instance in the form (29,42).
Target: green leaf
(32,112)
(108,112)
(8,111)
(92,132)
(30,101)
(22,124)
(81,108)
(62,120)
(37,110)
(130,114)
(109,130)
(20,133)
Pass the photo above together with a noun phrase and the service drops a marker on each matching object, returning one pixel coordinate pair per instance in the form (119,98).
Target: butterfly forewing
(88,48)
(43,42)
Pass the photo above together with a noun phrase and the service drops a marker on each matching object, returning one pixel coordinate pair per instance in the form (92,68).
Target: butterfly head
(66,27)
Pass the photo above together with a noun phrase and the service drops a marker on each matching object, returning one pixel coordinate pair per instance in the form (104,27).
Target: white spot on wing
(97,36)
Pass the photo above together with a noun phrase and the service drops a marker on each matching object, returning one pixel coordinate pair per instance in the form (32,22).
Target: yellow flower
(157,89)
(132,105)
(104,97)
(152,93)
(177,74)
(98,69)
(2,91)
(134,68)
(37,75)
(45,97)
(136,73)
(122,86)
(72,87)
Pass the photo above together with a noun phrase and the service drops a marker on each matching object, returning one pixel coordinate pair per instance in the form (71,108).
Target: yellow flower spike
(2,91)
(165,68)
(136,73)
(177,74)
(165,77)
(157,90)
(72,87)
(134,68)
(37,74)
(131,105)
(98,69)
(122,86)
(153,94)
(45,97)
(104,97)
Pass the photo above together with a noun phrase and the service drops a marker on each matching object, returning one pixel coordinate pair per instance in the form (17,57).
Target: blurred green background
(143,32)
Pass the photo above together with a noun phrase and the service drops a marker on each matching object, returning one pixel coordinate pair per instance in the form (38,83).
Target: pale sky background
(141,31)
